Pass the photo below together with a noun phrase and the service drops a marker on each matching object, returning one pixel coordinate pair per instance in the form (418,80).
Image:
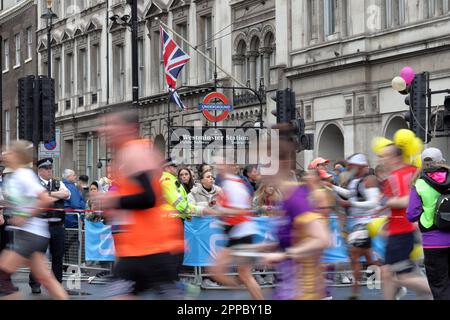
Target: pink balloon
(408,74)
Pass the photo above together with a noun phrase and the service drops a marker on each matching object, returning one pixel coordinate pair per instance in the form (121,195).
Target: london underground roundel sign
(206,107)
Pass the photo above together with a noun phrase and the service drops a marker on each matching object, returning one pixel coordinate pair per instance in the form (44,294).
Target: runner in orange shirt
(146,238)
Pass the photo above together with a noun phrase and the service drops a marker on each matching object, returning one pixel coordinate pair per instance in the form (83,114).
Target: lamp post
(131,22)
(49,15)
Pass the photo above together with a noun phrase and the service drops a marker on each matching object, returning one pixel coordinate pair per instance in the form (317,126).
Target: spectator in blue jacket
(76,200)
(251,177)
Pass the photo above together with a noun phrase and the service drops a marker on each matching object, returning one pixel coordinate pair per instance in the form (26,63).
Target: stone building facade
(18,59)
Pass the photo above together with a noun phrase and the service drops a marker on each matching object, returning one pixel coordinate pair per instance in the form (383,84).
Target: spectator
(424,201)
(84,185)
(185,179)
(93,188)
(203,195)
(76,200)
(251,177)
(266,199)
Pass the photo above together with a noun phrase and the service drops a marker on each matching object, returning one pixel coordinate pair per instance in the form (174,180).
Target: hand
(272,258)
(210,211)
(327,184)
(344,203)
(2,219)
(18,221)
(102,200)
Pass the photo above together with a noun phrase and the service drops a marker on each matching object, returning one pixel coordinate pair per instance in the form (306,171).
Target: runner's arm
(342,191)
(373,199)
(144,200)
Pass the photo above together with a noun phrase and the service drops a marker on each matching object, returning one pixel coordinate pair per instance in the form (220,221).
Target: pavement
(91,291)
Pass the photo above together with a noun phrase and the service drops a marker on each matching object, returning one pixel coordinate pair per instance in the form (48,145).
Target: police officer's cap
(45,163)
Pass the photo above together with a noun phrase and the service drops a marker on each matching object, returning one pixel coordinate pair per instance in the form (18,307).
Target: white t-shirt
(21,190)
(237,194)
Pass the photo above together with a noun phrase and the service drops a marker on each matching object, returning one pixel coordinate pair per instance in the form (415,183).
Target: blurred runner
(399,270)
(363,197)
(234,204)
(146,237)
(31,236)
(302,236)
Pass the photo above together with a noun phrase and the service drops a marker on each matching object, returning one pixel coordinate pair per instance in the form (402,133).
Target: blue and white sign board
(51,149)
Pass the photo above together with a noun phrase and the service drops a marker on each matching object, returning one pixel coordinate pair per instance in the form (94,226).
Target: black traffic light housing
(417,102)
(36,109)
(286,113)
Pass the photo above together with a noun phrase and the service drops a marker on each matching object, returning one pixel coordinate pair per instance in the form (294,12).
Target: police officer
(58,191)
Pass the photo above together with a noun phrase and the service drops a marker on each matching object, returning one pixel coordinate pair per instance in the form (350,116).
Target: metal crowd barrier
(74,256)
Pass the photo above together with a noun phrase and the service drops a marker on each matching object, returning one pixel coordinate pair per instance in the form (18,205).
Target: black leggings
(437,266)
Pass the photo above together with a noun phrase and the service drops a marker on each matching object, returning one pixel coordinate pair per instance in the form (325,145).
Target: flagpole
(201,53)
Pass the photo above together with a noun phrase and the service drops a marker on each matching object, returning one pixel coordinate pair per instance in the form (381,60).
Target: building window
(29,43)
(161,79)
(208,46)
(17,55)
(330,9)
(308,113)
(57,76)
(395,11)
(6,54)
(446,6)
(89,157)
(82,71)
(141,64)
(312,16)
(436,8)
(95,70)
(68,81)
(7,128)
(119,73)
(182,30)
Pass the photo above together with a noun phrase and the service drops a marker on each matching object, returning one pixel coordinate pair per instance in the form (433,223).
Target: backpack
(442,215)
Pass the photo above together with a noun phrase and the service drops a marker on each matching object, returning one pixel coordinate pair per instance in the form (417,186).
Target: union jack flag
(174,58)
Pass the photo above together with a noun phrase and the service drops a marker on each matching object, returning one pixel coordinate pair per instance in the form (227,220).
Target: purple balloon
(408,74)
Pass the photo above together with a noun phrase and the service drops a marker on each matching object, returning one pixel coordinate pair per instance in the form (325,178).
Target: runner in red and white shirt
(234,205)
(399,270)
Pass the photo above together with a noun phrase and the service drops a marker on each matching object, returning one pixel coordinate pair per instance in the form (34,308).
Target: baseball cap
(358,159)
(317,161)
(434,154)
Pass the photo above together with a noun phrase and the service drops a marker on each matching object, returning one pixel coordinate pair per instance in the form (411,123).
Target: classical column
(252,60)
(266,51)
(238,64)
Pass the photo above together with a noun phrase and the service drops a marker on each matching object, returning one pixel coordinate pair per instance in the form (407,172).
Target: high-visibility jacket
(175,196)
(146,231)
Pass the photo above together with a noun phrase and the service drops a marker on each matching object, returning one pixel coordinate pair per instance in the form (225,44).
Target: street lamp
(131,22)
(49,15)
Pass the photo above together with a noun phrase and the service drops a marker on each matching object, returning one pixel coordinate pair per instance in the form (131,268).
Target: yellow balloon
(403,138)
(375,226)
(379,143)
(418,162)
(417,253)
(416,147)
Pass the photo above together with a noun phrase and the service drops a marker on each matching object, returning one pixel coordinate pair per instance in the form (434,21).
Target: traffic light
(286,114)
(285,111)
(36,109)
(26,108)
(446,120)
(417,102)
(47,109)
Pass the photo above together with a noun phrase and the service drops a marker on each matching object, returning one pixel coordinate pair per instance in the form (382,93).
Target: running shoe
(401,292)
(346,280)
(270,279)
(209,283)
(261,281)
